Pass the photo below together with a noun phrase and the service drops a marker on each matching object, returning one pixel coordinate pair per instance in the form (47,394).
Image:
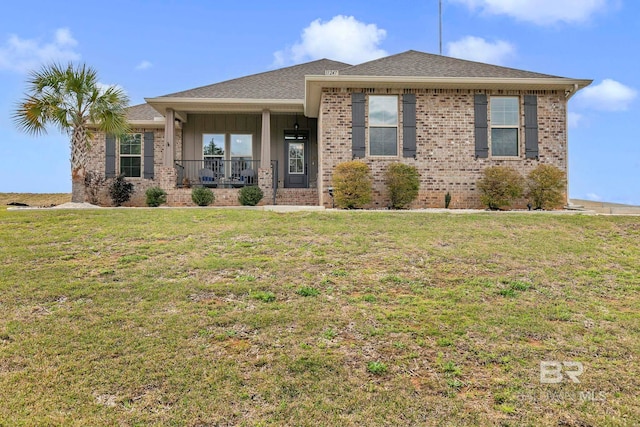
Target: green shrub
(155,196)
(250,196)
(202,196)
(499,185)
(351,185)
(447,200)
(403,183)
(546,186)
(120,190)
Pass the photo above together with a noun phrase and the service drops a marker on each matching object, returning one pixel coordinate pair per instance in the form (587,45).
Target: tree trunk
(77,186)
(79,148)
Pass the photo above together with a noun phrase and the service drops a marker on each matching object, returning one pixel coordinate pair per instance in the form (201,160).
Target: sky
(152,48)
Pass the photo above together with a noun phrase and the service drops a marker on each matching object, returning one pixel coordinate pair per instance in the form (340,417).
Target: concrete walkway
(579,207)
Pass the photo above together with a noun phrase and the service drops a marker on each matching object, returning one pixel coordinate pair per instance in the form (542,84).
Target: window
(505,125)
(241,147)
(131,155)
(383,125)
(213,145)
(228,155)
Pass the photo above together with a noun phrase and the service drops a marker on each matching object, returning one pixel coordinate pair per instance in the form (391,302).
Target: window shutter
(110,156)
(409,125)
(531,126)
(357,125)
(148,155)
(482,137)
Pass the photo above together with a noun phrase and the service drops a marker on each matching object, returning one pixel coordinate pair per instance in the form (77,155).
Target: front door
(295,171)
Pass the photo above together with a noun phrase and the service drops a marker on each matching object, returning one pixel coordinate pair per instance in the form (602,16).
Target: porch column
(265,140)
(169,132)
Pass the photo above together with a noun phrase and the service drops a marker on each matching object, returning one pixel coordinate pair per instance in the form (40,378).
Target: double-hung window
(383,125)
(505,125)
(131,155)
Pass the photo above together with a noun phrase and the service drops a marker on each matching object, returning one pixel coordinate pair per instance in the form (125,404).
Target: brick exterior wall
(164,177)
(445,156)
(445,151)
(182,197)
(297,196)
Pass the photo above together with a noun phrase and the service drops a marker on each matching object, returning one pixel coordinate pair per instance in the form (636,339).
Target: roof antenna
(440,16)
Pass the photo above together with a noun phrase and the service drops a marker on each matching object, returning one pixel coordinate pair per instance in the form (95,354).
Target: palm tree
(72,99)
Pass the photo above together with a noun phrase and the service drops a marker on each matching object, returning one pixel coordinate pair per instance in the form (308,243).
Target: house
(286,130)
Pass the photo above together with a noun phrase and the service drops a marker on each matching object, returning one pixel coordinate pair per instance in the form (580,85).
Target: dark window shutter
(409,125)
(531,126)
(482,133)
(148,155)
(110,156)
(357,125)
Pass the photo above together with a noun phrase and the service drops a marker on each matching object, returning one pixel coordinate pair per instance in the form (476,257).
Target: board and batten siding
(199,124)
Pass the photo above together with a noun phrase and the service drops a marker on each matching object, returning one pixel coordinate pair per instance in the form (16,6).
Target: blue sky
(151,48)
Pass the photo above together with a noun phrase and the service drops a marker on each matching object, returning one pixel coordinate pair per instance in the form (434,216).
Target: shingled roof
(284,83)
(291,88)
(141,112)
(419,64)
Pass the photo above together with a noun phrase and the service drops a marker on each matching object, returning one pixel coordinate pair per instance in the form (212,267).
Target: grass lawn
(228,317)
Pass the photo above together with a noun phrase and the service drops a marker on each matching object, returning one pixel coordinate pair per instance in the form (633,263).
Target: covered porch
(225,149)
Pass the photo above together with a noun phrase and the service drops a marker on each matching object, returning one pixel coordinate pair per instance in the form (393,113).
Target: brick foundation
(182,197)
(297,196)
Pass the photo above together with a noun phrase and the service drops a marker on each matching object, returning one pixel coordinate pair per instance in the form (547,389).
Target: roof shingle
(419,64)
(284,83)
(141,112)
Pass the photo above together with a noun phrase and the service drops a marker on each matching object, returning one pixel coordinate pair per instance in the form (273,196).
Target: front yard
(230,317)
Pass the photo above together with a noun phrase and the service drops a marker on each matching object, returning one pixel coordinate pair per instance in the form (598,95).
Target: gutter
(315,83)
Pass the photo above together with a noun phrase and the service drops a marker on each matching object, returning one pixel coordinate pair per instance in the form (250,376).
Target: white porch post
(265,140)
(169,131)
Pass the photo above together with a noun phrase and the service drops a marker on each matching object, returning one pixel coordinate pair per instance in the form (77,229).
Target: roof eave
(158,122)
(314,85)
(225,105)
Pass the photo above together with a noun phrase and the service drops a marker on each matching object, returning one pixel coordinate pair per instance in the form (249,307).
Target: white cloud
(23,55)
(144,65)
(343,38)
(609,95)
(104,86)
(593,196)
(478,49)
(540,12)
(574,119)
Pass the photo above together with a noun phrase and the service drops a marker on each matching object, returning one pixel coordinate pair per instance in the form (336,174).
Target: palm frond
(67,97)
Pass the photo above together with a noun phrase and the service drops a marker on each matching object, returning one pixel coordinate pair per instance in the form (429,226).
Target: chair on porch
(248,176)
(207,178)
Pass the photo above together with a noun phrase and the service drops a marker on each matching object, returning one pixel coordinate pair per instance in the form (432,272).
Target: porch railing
(216,172)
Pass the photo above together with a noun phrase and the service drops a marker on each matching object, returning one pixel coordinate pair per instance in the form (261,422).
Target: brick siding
(445,144)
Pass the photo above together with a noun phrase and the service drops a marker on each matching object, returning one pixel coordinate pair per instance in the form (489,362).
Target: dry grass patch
(34,199)
(214,317)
